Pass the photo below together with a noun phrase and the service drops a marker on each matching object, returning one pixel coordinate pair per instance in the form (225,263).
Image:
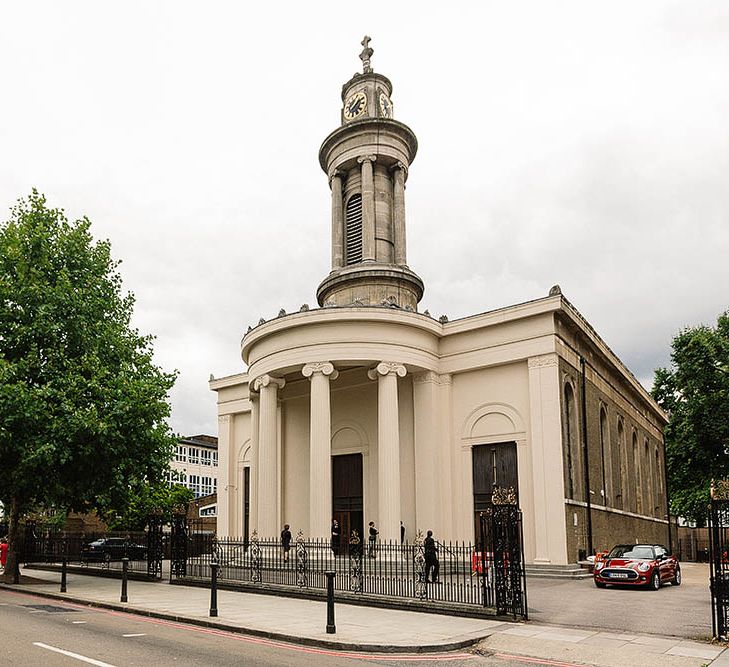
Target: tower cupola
(367,160)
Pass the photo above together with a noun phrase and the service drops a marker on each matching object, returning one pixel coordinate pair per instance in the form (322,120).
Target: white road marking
(136,634)
(83,658)
(38,611)
(78,622)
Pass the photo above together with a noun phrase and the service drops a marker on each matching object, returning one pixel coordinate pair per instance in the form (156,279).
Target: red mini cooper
(648,565)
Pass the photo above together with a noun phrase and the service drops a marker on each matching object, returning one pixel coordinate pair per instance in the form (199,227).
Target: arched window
(638,503)
(621,489)
(650,503)
(353,230)
(571,453)
(605,459)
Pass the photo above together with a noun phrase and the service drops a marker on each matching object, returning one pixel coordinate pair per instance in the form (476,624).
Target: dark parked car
(648,565)
(107,549)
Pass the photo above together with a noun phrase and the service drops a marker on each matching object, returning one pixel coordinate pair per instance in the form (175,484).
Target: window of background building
(194,485)
(207,486)
(181,454)
(215,458)
(205,457)
(194,455)
(215,484)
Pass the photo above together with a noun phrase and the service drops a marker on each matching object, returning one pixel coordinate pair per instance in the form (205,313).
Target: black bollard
(331,628)
(63,575)
(214,588)
(125,571)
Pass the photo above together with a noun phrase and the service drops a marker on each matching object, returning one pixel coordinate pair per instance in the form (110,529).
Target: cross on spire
(366,55)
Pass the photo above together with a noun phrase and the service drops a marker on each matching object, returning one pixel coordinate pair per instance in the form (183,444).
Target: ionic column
(253,500)
(337,221)
(267,463)
(398,210)
(388,447)
(368,207)
(320,447)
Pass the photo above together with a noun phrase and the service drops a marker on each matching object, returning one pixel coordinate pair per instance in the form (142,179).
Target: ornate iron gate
(178,545)
(155,547)
(719,559)
(502,540)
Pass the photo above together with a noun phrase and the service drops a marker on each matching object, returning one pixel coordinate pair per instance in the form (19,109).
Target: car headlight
(599,566)
(644,567)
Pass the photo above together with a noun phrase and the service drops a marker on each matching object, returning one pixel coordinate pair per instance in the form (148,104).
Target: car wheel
(676,581)
(655,582)
(600,584)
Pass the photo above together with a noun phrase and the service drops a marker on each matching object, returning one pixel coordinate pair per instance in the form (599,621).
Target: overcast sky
(579,143)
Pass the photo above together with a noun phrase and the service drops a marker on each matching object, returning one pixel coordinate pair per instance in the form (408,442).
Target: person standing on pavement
(336,532)
(286,542)
(431,559)
(372,540)
(3,553)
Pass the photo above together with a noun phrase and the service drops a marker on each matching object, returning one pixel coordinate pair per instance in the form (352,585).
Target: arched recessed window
(605,460)
(570,418)
(638,504)
(353,229)
(621,489)
(650,503)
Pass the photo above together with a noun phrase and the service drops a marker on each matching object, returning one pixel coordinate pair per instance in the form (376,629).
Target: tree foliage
(144,500)
(695,393)
(83,408)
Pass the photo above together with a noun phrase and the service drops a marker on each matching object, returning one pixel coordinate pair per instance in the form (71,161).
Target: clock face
(355,106)
(385,106)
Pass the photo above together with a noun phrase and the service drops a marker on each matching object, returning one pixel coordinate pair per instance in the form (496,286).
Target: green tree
(83,408)
(695,394)
(144,500)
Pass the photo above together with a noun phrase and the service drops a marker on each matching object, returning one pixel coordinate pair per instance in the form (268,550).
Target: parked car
(107,549)
(645,565)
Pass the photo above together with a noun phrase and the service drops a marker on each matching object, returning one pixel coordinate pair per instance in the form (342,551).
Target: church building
(366,409)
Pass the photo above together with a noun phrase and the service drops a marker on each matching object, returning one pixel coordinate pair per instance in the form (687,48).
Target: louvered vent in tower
(354,229)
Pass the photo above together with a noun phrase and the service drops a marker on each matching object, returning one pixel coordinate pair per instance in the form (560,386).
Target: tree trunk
(12,567)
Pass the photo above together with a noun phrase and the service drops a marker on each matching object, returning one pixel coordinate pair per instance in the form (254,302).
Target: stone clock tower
(367,161)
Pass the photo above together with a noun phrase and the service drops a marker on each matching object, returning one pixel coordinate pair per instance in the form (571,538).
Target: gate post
(301,560)
(355,563)
(178,556)
(155,551)
(719,559)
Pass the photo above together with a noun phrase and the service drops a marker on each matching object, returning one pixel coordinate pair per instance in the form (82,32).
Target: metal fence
(389,569)
(719,564)
(144,549)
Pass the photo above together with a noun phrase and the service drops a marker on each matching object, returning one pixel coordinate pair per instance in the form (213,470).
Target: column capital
(430,377)
(335,173)
(366,158)
(326,368)
(385,368)
(399,168)
(265,380)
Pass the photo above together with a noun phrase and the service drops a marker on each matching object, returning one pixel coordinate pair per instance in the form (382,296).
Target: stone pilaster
(320,447)
(268,386)
(398,210)
(337,221)
(388,447)
(368,207)
(225,491)
(253,500)
(548,527)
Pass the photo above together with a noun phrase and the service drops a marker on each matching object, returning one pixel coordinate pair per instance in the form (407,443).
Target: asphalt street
(38,631)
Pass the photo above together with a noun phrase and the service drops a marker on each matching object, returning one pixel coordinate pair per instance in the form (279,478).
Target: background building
(365,409)
(195,464)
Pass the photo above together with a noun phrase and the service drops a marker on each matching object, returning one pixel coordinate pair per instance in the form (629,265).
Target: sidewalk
(373,629)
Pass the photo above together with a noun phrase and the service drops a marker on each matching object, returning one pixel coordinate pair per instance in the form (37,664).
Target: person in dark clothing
(336,532)
(431,559)
(286,542)
(372,540)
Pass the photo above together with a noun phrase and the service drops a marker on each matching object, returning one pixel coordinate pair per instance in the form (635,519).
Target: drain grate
(50,608)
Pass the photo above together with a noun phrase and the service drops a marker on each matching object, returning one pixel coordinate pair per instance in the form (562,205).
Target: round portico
(388,344)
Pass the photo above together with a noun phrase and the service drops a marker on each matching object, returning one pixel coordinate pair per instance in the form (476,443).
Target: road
(39,631)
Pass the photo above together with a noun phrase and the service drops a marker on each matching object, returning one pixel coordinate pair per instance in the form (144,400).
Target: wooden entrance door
(347,497)
(492,464)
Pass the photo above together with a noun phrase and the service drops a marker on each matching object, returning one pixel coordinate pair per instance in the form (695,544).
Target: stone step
(540,571)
